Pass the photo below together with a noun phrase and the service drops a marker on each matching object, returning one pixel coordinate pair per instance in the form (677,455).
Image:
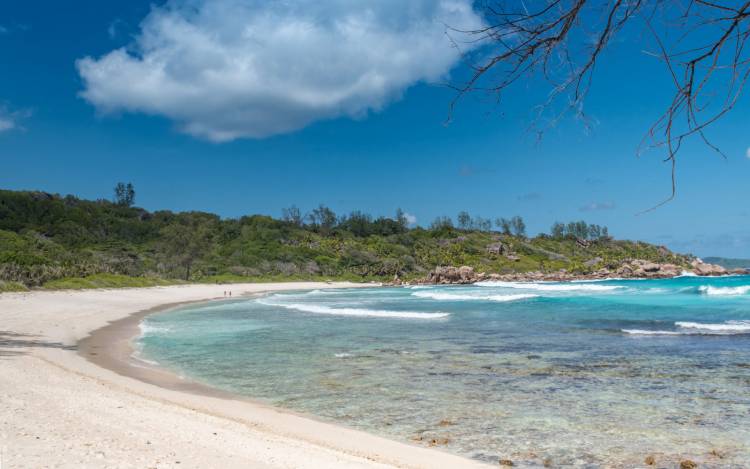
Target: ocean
(581,374)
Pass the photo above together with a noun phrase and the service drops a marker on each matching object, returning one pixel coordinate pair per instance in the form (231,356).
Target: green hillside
(55,241)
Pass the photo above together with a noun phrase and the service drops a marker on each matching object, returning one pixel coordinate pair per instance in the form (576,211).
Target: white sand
(58,409)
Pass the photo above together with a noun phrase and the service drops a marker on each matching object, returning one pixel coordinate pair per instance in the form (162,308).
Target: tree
(322,218)
(503,224)
(701,44)
(558,230)
(124,194)
(187,240)
(441,223)
(292,215)
(401,219)
(595,231)
(519,227)
(481,224)
(464,220)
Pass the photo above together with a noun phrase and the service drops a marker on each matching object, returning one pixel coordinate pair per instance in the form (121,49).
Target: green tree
(504,225)
(124,194)
(519,227)
(441,223)
(401,219)
(187,241)
(464,220)
(292,215)
(322,218)
(558,230)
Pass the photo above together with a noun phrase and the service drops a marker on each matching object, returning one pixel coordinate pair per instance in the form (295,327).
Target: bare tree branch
(700,42)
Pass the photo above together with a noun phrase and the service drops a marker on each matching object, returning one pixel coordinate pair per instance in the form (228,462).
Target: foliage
(106,281)
(65,242)
(12,287)
(579,229)
(124,194)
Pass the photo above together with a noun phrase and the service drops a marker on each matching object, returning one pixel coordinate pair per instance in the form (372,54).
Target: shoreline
(72,395)
(111,347)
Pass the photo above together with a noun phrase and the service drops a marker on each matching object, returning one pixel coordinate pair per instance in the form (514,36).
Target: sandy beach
(70,399)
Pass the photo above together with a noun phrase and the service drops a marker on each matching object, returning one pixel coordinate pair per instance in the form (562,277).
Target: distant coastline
(49,241)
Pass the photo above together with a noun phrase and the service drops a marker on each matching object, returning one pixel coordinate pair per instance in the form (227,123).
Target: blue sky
(238,144)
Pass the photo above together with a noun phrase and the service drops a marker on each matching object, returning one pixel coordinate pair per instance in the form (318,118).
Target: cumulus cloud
(594,206)
(226,69)
(410,219)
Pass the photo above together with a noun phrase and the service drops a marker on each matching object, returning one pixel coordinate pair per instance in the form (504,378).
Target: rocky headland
(633,268)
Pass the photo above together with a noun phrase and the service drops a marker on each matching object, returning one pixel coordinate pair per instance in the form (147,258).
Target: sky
(242,107)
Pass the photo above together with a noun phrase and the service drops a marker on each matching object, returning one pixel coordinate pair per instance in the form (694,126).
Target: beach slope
(59,408)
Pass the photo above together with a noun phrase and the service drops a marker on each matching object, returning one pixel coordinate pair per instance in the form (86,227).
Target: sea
(589,374)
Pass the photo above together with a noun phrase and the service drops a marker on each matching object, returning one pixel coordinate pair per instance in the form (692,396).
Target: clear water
(589,374)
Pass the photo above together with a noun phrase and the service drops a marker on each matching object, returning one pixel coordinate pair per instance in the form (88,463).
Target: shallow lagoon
(585,374)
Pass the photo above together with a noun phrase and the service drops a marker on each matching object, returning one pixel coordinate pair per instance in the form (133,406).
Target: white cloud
(225,69)
(6,123)
(410,219)
(8,119)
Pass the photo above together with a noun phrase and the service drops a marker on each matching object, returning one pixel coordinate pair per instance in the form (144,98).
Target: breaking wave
(459,297)
(550,286)
(698,328)
(357,312)
(724,291)
(729,326)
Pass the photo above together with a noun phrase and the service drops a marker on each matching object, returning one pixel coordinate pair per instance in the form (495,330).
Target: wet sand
(72,395)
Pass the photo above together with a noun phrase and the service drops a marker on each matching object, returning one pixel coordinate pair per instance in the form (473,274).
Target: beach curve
(70,398)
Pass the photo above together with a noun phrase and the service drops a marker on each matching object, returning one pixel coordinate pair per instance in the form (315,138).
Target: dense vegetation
(65,242)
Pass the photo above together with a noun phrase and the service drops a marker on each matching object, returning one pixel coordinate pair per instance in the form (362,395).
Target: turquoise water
(589,374)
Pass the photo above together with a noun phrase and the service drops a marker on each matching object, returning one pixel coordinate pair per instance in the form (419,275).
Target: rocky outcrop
(703,269)
(633,268)
(496,248)
(451,275)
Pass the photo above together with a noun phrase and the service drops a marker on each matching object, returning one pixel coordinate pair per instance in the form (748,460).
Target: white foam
(150,329)
(697,328)
(550,286)
(358,312)
(608,279)
(444,296)
(729,326)
(687,273)
(645,332)
(724,291)
(342,355)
